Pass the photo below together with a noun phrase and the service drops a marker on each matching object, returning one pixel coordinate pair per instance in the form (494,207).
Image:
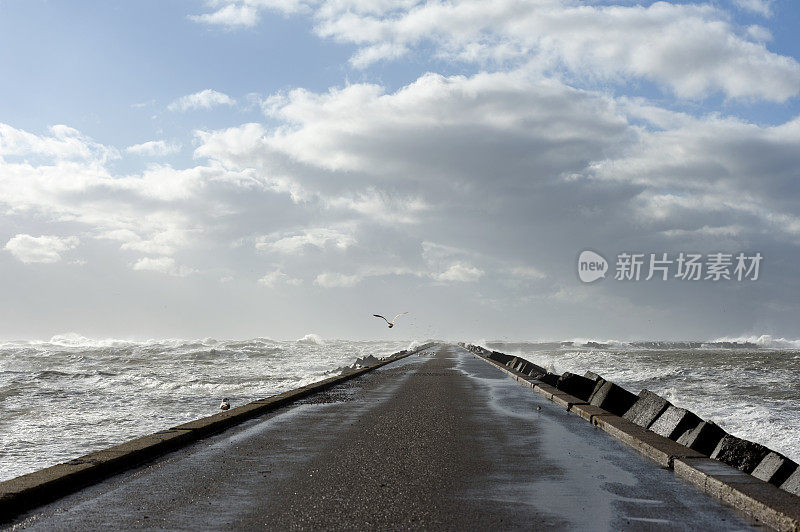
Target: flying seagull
(390,323)
(225,404)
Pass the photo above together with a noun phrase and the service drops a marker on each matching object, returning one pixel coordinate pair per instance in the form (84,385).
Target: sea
(71,395)
(749,386)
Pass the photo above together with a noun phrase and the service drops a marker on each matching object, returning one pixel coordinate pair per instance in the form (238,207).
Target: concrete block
(545,390)
(739,453)
(500,357)
(526,367)
(742,454)
(573,384)
(758,499)
(611,397)
(566,400)
(478,350)
(593,376)
(588,412)
(646,409)
(536,371)
(654,446)
(775,469)
(549,378)
(703,438)
(674,421)
(792,484)
(532,369)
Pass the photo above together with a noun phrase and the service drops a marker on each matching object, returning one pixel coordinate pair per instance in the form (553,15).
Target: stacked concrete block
(575,385)
(611,397)
(536,371)
(500,357)
(593,376)
(742,454)
(674,421)
(775,468)
(646,409)
(792,484)
(703,438)
(549,378)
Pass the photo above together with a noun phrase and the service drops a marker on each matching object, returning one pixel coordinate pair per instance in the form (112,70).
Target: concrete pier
(441,440)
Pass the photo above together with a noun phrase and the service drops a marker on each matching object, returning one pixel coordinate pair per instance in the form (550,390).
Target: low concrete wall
(698,451)
(26,492)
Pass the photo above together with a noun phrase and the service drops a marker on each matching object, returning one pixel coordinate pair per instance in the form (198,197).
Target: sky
(277,168)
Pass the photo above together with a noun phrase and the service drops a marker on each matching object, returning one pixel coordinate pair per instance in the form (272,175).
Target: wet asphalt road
(439,441)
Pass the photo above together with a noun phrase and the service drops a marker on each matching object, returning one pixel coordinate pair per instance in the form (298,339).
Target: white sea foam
(764,340)
(313,339)
(130,388)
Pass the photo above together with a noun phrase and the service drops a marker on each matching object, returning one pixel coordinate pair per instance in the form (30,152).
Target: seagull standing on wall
(390,323)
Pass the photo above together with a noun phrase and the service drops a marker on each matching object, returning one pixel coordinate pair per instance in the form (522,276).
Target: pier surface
(442,440)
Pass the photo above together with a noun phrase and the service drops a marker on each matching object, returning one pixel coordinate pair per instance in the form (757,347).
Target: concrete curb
(758,499)
(24,493)
(768,504)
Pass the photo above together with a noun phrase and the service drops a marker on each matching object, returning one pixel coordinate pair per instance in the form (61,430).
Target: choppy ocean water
(750,387)
(70,396)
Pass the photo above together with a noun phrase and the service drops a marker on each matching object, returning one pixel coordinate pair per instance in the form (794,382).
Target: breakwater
(761,482)
(505,458)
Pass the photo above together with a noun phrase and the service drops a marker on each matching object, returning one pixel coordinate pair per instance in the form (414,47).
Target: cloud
(231,16)
(458,272)
(759,7)
(62,144)
(436,130)
(336,280)
(315,237)
(491,182)
(165,265)
(692,50)
(153,148)
(276,277)
(381,206)
(44,249)
(205,99)
(234,14)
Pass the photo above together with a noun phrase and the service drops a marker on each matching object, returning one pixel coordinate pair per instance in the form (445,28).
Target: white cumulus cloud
(231,16)
(166,265)
(460,272)
(205,99)
(760,7)
(694,50)
(44,249)
(153,148)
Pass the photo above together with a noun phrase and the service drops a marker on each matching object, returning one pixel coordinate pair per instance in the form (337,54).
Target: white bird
(390,323)
(225,404)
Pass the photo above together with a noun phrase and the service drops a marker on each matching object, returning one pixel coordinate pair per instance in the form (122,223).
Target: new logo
(591,266)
